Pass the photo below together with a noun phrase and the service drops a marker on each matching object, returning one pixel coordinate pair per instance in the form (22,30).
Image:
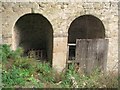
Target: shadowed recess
(34,31)
(86,27)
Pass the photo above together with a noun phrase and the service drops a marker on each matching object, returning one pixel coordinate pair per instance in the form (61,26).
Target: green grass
(18,71)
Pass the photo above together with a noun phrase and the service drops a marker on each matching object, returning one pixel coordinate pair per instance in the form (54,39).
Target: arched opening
(34,32)
(84,27)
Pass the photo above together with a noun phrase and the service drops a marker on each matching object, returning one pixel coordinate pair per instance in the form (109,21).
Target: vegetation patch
(24,72)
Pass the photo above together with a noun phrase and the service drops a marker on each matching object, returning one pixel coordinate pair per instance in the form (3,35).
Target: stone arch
(34,31)
(86,27)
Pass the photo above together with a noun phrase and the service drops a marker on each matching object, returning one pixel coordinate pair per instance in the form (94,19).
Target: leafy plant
(14,76)
(45,72)
(34,82)
(25,63)
(6,53)
(17,53)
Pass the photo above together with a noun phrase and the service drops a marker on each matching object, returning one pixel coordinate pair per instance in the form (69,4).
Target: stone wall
(61,15)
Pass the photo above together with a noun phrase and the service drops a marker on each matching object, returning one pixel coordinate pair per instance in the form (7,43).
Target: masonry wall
(61,15)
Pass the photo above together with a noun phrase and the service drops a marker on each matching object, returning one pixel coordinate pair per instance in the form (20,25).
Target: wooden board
(91,54)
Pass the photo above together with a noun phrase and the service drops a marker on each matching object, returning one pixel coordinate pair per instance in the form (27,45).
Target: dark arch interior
(86,27)
(35,32)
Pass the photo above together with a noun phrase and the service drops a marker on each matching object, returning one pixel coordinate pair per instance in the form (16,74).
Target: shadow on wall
(34,31)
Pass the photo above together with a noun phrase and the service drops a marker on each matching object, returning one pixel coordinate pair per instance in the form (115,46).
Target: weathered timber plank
(91,54)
